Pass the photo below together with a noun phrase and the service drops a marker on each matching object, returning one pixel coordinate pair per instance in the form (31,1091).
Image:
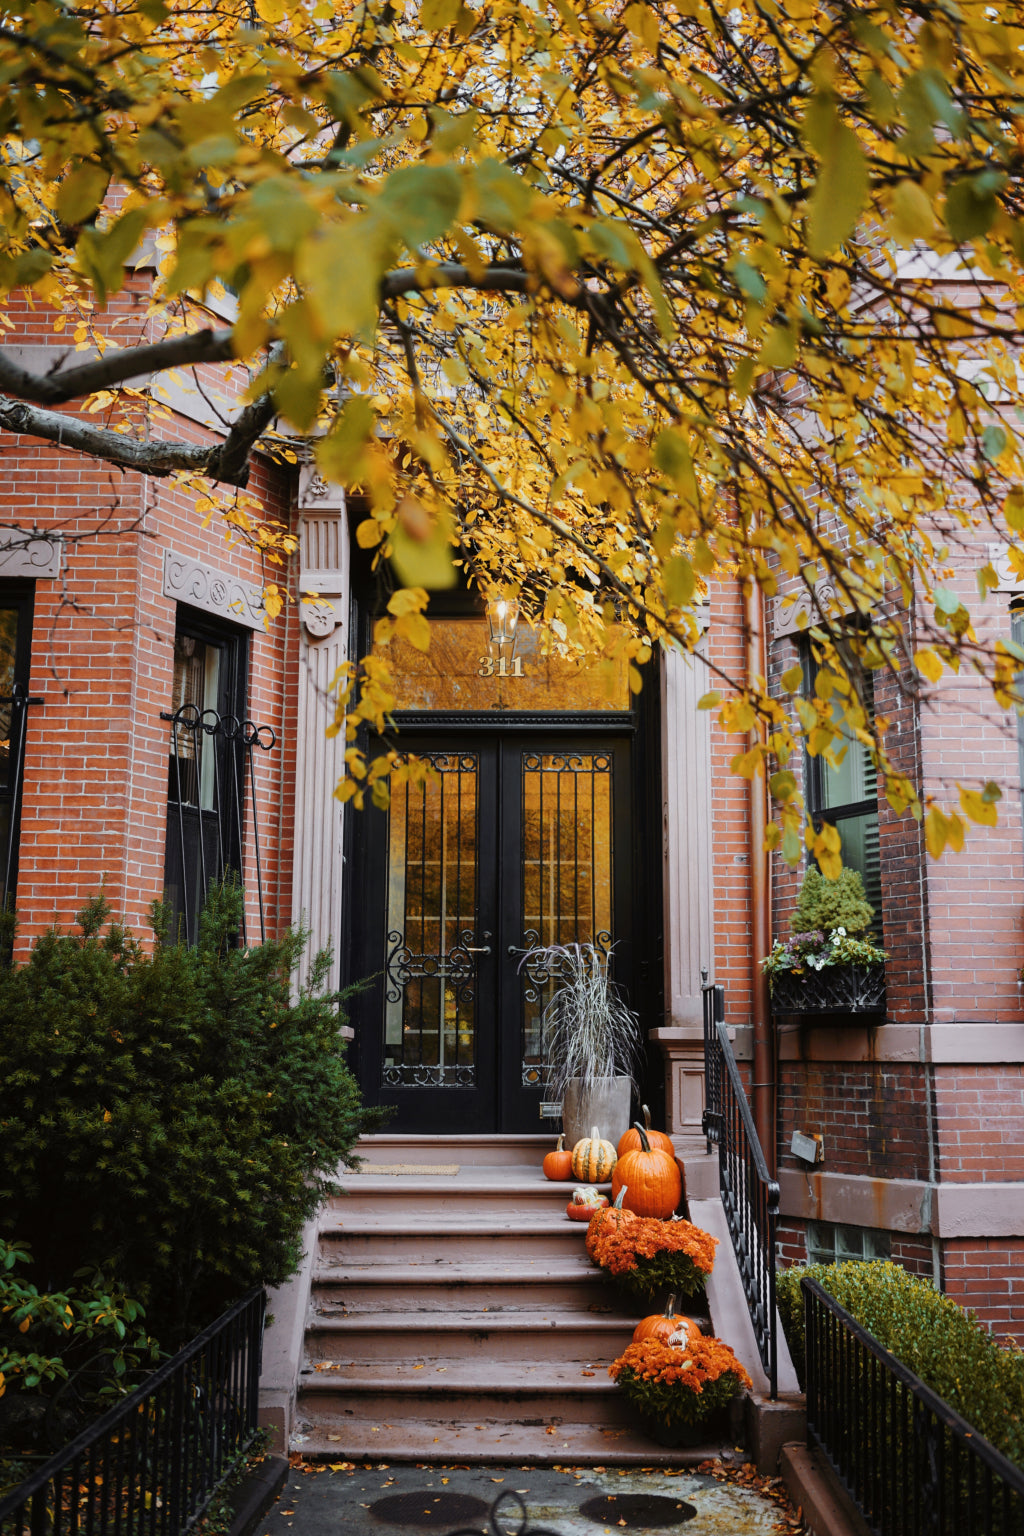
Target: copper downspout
(760,899)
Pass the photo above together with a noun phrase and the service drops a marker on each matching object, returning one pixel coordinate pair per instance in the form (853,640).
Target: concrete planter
(836,990)
(604,1103)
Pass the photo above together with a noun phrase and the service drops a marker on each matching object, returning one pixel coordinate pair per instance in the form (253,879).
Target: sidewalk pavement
(378,1499)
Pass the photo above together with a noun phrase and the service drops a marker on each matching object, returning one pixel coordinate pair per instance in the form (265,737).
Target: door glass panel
(462,671)
(430,982)
(566,874)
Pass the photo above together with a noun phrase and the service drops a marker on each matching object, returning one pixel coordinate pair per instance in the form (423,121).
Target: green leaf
(993,442)
(423,560)
(421,201)
(680,582)
(82,192)
(340,454)
(970,210)
(841,190)
(102,254)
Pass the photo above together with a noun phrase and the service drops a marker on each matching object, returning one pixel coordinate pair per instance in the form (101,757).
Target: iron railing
(211,791)
(15,707)
(151,1464)
(750,1196)
(909,1462)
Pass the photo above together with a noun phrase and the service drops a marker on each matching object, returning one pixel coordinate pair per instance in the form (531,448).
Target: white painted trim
(318,868)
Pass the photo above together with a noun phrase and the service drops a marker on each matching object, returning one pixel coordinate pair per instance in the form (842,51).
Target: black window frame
(816,769)
(19,595)
(222,825)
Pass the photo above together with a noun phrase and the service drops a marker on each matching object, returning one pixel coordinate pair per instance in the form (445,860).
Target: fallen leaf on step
(588,1373)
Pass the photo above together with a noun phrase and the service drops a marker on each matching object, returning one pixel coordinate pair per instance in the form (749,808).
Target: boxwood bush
(951,1351)
(171,1118)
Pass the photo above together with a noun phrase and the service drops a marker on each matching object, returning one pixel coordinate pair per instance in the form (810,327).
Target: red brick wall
(980,1116)
(730,841)
(987,1276)
(873,1116)
(95,783)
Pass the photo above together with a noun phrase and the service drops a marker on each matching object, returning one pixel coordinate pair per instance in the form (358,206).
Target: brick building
(162,727)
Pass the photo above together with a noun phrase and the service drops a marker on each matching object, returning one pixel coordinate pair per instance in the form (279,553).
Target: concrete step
(503,1339)
(382,1289)
(467,1151)
(495,1441)
(526,1194)
(521,1392)
(454,1243)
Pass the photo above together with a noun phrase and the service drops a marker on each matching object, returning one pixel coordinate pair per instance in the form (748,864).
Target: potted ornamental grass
(829,964)
(591,1039)
(679,1388)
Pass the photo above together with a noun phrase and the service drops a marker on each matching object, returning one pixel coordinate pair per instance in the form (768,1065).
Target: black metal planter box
(836,990)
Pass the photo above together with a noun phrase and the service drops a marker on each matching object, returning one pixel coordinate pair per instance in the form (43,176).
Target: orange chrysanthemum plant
(650,1257)
(678,1386)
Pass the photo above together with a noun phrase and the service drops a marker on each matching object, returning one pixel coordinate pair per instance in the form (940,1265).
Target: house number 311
(503,669)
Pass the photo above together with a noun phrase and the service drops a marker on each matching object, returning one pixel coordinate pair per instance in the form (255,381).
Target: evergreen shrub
(170,1119)
(824,905)
(948,1348)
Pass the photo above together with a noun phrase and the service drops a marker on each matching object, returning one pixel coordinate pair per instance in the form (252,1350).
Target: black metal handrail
(151,1464)
(750,1196)
(909,1462)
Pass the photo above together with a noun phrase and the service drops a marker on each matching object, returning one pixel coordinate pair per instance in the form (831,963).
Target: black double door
(516,841)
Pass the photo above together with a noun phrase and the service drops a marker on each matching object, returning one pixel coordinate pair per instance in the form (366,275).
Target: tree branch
(222,461)
(117,367)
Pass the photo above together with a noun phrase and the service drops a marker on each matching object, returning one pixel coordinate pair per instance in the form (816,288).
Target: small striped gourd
(593,1159)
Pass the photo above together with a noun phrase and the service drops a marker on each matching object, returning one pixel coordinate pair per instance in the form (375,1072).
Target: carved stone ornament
(316,492)
(794,617)
(23,553)
(999,560)
(320,618)
(187,580)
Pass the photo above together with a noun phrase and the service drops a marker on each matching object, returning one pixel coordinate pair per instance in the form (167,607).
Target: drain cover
(428,1510)
(637,1511)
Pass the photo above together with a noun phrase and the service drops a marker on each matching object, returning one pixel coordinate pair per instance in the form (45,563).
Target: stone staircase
(457,1317)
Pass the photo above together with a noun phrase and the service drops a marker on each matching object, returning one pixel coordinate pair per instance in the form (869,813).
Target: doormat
(447,1169)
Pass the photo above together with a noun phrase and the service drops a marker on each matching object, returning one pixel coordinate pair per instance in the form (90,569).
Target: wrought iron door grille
(566,875)
(432,944)
(13,736)
(211,793)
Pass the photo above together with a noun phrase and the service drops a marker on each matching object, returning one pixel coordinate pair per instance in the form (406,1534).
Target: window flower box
(837,975)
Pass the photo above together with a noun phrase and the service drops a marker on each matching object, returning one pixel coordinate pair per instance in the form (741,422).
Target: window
(1017,636)
(846,796)
(834,1243)
(205,770)
(15,640)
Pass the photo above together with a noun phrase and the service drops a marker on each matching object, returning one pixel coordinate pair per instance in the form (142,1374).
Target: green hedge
(951,1351)
(169,1119)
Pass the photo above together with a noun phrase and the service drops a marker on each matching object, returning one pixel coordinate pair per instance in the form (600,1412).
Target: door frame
(364,891)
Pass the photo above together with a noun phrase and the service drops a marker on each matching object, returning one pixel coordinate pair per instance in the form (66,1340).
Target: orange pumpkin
(629,1141)
(653,1177)
(662,1325)
(558,1164)
(611,1216)
(593,1159)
